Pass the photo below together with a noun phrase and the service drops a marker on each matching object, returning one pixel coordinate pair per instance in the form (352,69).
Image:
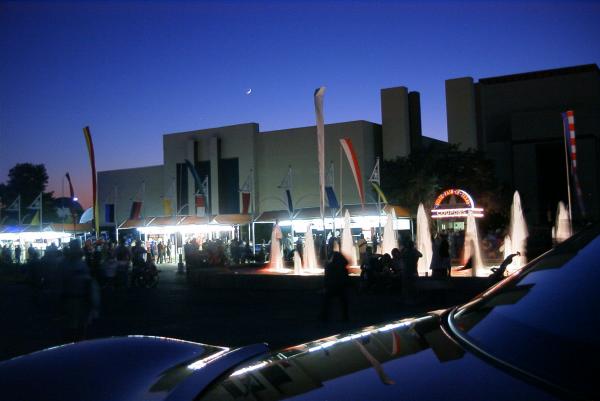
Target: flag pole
(115,216)
(567,173)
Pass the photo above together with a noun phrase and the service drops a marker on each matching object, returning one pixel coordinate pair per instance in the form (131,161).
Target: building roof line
(541,74)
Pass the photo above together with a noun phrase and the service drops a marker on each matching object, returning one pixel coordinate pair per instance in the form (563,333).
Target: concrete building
(516,121)
(229,155)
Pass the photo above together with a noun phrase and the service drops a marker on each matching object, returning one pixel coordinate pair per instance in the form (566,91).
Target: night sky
(134,71)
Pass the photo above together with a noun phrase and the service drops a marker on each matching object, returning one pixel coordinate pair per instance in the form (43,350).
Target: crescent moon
(249,91)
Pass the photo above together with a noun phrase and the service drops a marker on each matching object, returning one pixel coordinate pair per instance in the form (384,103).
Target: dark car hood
(122,368)
(410,359)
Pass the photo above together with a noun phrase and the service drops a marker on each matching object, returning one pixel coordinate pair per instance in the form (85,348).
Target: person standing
(18,254)
(362,248)
(336,283)
(410,257)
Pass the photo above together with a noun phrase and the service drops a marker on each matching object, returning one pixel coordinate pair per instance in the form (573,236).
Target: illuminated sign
(450,213)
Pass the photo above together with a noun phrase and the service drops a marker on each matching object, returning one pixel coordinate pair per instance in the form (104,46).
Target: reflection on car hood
(122,368)
(406,359)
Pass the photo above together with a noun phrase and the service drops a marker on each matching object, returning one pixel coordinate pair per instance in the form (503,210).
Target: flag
(377,189)
(319,93)
(569,131)
(194,172)
(168,200)
(346,144)
(35,220)
(167,207)
(109,213)
(375,174)
(329,191)
(71,191)
(200,204)
(135,212)
(15,206)
(37,203)
(287,184)
(246,190)
(90,146)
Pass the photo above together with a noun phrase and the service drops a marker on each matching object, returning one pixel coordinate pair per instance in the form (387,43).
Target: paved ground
(224,316)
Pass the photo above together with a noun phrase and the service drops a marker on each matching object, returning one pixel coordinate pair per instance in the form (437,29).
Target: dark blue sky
(134,71)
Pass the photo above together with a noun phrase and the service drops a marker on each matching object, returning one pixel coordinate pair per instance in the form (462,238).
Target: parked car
(532,336)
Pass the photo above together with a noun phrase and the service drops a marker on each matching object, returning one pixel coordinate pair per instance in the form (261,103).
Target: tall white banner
(321,144)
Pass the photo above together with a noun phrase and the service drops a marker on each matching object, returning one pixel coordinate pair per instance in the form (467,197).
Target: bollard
(180,265)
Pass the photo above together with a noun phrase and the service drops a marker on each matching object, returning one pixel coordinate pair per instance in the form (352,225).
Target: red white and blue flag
(569,128)
(346,144)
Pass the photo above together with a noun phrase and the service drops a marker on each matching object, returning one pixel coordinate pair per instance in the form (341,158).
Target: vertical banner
(319,93)
(136,210)
(346,144)
(571,149)
(90,146)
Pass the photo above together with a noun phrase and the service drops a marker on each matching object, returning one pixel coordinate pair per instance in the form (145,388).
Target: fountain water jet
(472,249)
(297,263)
(562,229)
(275,255)
(423,243)
(348,248)
(389,235)
(507,246)
(310,256)
(518,232)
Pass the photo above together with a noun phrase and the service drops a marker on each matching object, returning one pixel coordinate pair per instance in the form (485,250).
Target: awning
(137,223)
(193,220)
(232,219)
(272,216)
(70,228)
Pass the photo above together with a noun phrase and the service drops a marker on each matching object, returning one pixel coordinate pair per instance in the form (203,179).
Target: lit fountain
(423,243)
(472,245)
(276,257)
(348,248)
(507,246)
(297,263)
(310,256)
(562,229)
(389,241)
(518,233)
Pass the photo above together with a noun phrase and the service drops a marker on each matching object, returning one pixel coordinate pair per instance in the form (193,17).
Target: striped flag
(90,147)
(287,185)
(569,130)
(319,93)
(346,144)
(135,213)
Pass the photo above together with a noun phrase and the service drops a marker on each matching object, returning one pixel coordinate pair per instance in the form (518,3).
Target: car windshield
(543,320)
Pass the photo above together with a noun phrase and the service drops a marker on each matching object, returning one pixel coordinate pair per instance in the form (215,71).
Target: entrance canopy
(366,217)
(455,203)
(47,232)
(186,224)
